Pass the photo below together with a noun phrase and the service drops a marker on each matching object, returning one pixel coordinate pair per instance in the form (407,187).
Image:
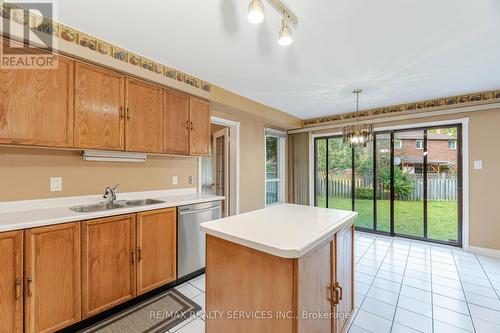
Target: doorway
(406,182)
(218,173)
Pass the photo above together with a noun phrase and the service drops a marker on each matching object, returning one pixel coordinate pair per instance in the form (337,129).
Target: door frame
(234,162)
(463,161)
(225,134)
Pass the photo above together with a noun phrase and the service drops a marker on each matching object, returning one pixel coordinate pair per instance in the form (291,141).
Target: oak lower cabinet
(99,108)
(156,248)
(108,263)
(52,277)
(253,291)
(11,287)
(36,106)
(143,115)
(199,136)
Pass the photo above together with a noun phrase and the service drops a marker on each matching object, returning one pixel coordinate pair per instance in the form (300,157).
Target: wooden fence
(439,187)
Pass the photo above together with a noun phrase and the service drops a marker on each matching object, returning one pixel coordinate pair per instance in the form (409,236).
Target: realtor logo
(28,41)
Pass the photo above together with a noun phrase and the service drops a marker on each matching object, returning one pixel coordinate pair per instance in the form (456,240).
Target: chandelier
(357,135)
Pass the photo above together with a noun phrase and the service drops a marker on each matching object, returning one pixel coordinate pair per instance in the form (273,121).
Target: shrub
(363,193)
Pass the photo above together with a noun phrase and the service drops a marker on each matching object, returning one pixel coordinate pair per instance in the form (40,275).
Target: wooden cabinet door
(176,124)
(143,126)
(156,248)
(52,277)
(11,289)
(314,274)
(99,112)
(108,263)
(199,138)
(36,106)
(344,279)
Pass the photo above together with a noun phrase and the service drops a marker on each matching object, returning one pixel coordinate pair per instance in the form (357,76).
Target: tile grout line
(400,287)
(432,288)
(488,278)
(463,290)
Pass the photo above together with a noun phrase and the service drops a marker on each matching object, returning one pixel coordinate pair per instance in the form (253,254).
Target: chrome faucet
(110,193)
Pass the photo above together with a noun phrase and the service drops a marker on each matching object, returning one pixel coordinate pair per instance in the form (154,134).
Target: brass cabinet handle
(132,256)
(337,286)
(122,115)
(333,295)
(127,111)
(18,287)
(30,283)
(192,127)
(139,253)
(187,124)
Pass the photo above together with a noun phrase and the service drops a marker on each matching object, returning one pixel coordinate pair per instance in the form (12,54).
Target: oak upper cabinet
(343,277)
(108,263)
(143,125)
(11,288)
(176,125)
(52,277)
(199,138)
(99,108)
(156,248)
(36,106)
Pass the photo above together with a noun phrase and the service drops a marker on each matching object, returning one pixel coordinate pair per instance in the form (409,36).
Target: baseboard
(484,251)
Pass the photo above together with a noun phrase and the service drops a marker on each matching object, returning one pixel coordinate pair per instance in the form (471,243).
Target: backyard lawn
(408,216)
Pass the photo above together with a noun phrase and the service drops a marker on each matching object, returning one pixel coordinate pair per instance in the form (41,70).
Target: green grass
(408,216)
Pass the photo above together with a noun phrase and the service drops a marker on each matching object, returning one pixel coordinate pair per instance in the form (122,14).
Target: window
(398,144)
(419,144)
(452,144)
(275,167)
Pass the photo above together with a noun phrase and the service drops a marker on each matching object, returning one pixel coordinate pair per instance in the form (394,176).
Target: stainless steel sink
(143,202)
(115,205)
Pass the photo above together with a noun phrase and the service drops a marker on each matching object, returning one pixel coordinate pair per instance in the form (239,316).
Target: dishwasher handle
(186,212)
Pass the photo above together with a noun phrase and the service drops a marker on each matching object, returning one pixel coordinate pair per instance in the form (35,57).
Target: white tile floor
(404,286)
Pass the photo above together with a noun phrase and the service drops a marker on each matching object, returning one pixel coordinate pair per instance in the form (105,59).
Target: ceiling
(397,51)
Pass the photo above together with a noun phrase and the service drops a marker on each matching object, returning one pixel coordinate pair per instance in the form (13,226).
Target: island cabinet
(256,283)
(36,106)
(99,108)
(11,286)
(52,277)
(108,263)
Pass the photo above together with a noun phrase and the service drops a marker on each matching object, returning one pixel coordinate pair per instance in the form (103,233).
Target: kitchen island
(282,269)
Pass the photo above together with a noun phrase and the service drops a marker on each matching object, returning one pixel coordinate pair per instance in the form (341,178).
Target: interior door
(99,113)
(36,106)
(199,115)
(176,122)
(52,277)
(143,114)
(343,277)
(108,263)
(156,248)
(11,287)
(220,166)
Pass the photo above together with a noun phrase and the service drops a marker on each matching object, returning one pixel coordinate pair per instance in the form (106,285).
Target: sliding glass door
(405,182)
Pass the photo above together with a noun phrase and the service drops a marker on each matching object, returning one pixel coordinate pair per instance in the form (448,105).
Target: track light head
(255,11)
(285,33)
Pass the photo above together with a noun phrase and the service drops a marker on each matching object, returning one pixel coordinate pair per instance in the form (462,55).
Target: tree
(403,185)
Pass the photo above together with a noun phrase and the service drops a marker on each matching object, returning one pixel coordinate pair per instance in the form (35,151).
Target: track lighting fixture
(256,15)
(285,34)
(255,11)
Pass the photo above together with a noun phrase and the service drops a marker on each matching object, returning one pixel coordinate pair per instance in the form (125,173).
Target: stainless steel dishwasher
(190,239)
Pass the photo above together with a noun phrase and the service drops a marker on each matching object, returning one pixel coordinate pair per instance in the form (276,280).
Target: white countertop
(35,213)
(287,231)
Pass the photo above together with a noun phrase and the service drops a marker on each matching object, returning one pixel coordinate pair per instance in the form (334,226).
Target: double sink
(102,206)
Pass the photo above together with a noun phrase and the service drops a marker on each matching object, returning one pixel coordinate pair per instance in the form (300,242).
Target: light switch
(174,180)
(478,165)
(191,180)
(55,184)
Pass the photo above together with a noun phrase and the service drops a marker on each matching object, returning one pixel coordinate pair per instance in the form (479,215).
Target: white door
(220,166)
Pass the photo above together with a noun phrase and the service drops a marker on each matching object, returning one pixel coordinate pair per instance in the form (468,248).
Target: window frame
(421,144)
(281,179)
(454,146)
(400,146)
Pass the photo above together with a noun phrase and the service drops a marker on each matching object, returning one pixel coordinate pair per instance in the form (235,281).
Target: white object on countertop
(287,231)
(15,215)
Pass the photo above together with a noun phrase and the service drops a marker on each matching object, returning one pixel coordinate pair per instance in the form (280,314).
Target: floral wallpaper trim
(69,34)
(433,103)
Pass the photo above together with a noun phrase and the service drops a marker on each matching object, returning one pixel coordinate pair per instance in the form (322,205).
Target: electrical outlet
(174,180)
(191,180)
(55,184)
